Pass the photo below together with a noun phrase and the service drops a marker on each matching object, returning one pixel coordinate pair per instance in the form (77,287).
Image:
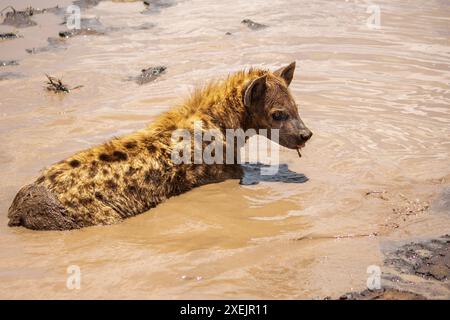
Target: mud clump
(430,260)
(144,26)
(55,85)
(88,26)
(382,294)
(416,270)
(253,25)
(19,19)
(5,63)
(8,36)
(149,74)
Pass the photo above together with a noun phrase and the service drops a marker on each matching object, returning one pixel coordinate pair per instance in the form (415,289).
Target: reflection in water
(377,102)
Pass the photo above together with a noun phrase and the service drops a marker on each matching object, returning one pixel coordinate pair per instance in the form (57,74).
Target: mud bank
(363,191)
(415,271)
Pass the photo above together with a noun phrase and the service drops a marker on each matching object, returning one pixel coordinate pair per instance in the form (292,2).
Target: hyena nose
(306,134)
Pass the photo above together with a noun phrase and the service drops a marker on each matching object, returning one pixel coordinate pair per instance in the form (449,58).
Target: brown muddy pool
(377,100)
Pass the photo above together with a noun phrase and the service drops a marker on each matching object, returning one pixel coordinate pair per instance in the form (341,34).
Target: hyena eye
(280,116)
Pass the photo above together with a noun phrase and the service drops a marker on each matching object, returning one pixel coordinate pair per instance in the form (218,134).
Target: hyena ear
(255,91)
(287,73)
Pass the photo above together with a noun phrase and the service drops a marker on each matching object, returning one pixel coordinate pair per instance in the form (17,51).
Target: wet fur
(131,174)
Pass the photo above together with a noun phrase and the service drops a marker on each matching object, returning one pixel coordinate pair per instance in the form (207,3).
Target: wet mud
(256,173)
(149,74)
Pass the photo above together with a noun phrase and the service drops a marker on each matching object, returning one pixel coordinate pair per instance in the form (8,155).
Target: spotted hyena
(131,174)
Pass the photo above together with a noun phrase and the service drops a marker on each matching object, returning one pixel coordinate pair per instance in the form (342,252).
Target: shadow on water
(253,174)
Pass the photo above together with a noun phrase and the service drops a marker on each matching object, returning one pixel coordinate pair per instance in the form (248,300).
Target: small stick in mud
(56,85)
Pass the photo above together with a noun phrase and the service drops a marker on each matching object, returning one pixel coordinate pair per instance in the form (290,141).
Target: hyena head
(271,106)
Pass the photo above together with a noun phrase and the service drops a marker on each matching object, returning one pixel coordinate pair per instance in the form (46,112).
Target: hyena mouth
(300,146)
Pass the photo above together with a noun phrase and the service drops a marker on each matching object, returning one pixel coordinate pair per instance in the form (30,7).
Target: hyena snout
(294,134)
(305,135)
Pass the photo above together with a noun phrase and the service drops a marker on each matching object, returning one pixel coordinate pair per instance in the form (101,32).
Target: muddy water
(377,101)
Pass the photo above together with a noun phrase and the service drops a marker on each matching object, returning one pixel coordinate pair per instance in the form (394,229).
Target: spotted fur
(132,174)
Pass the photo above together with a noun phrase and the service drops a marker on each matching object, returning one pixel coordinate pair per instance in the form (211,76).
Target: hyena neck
(222,103)
(219,105)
